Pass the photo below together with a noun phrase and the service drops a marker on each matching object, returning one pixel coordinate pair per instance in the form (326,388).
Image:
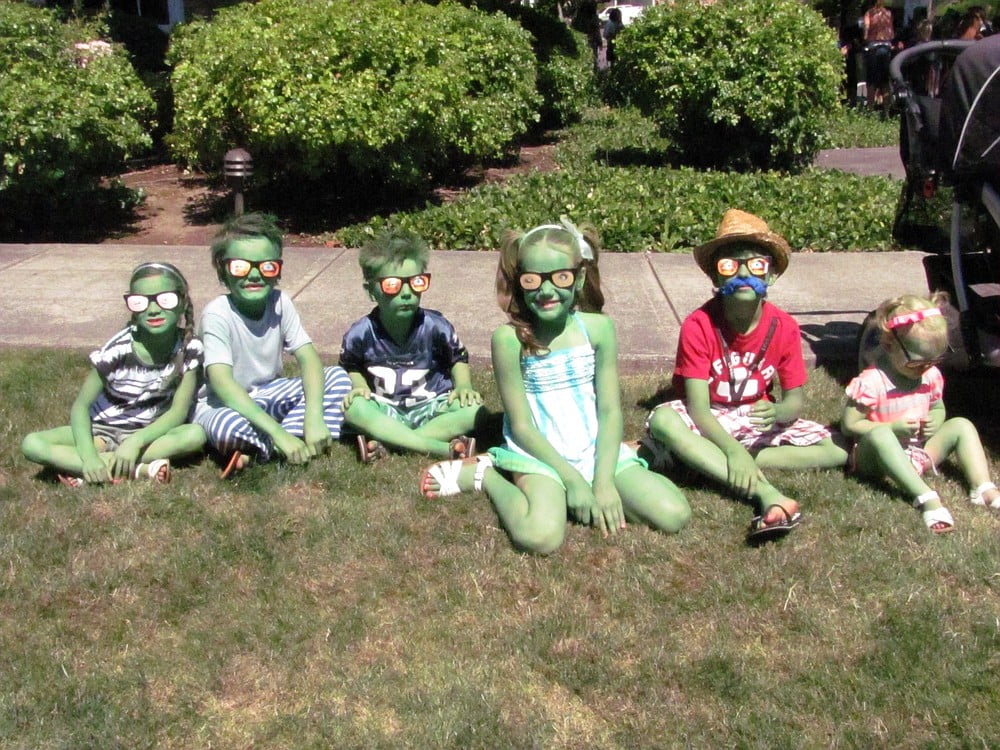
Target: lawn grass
(331,606)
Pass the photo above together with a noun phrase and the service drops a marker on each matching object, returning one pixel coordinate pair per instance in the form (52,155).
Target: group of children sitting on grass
(158,391)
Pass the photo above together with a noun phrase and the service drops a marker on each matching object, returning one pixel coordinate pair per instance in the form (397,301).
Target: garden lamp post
(237,166)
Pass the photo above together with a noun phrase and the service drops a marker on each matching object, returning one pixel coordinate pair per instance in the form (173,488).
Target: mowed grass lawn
(332,606)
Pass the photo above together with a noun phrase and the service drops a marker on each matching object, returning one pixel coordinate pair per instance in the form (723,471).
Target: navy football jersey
(409,374)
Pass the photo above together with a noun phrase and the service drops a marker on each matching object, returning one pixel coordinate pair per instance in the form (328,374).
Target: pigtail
(508,293)
(187,333)
(591,298)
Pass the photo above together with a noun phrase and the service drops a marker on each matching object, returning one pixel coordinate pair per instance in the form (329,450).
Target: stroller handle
(919,50)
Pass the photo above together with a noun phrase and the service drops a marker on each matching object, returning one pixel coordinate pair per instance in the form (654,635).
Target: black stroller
(954,140)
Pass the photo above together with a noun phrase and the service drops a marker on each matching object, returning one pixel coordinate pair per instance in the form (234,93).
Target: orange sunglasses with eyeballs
(758,265)
(241,267)
(393,285)
(562,278)
(138,303)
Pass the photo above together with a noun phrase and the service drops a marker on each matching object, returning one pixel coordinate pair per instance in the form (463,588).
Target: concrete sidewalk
(64,295)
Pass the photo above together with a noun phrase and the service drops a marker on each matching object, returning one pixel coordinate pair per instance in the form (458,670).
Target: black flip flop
(761,532)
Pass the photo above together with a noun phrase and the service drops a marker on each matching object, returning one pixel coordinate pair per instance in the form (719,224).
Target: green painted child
(556,366)
(728,425)
(130,416)
(248,410)
(412,386)
(896,417)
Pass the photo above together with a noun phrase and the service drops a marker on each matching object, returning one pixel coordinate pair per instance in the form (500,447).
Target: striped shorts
(284,400)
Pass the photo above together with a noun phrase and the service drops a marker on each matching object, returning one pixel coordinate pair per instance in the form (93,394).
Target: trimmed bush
(666,211)
(736,84)
(68,116)
(373,92)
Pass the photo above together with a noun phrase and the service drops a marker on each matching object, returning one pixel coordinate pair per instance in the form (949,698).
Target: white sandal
(445,473)
(976,496)
(151,471)
(936,516)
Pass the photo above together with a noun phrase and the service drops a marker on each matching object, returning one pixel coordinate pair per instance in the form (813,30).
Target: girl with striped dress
(130,417)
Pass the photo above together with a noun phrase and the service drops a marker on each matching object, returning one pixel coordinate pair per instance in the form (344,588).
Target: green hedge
(661,210)
(68,118)
(608,175)
(374,91)
(736,84)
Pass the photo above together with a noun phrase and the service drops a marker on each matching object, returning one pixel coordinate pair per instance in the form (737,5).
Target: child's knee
(879,437)
(664,422)
(191,437)
(674,515)
(541,538)
(962,426)
(33,446)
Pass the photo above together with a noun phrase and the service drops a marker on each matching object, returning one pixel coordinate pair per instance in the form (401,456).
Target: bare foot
(780,510)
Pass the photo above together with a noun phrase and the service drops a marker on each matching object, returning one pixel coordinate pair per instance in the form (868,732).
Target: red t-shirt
(700,355)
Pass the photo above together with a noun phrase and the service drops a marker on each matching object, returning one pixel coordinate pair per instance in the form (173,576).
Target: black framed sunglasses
(911,362)
(138,303)
(393,285)
(562,278)
(241,267)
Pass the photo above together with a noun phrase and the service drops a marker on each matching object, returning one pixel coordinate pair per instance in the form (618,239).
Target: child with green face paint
(129,417)
(412,383)
(895,412)
(727,425)
(555,363)
(246,408)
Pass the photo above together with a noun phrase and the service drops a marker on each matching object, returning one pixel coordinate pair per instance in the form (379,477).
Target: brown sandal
(462,447)
(370,451)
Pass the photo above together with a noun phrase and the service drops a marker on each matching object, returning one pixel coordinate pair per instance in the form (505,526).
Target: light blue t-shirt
(253,348)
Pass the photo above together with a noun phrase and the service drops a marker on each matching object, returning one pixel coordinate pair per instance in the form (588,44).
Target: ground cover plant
(850,127)
(615,169)
(331,606)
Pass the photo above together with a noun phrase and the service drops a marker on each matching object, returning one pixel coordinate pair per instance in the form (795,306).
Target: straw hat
(739,226)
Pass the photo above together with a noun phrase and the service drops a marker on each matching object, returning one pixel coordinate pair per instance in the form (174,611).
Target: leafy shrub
(374,91)
(736,84)
(68,117)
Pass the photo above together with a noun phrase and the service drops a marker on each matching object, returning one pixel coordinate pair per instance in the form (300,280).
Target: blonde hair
(892,316)
(510,297)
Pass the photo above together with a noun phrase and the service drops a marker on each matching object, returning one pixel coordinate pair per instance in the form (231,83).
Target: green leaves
(739,84)
(376,92)
(72,110)
(604,180)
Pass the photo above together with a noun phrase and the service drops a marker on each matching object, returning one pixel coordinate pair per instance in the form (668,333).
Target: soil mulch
(186,208)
